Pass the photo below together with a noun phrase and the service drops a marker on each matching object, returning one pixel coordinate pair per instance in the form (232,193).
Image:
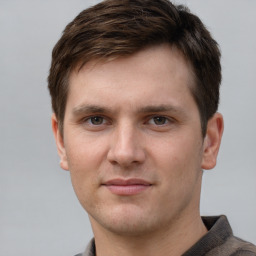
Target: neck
(174,240)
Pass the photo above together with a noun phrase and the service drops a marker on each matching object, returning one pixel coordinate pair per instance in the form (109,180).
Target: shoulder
(241,247)
(220,239)
(234,246)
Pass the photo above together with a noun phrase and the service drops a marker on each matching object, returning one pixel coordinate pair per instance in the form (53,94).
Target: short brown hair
(115,28)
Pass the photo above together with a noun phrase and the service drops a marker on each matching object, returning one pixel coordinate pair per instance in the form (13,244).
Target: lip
(127,187)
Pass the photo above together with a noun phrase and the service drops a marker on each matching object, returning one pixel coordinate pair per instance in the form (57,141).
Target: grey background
(39,213)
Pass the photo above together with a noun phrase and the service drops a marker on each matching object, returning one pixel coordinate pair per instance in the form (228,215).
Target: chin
(127,221)
(124,227)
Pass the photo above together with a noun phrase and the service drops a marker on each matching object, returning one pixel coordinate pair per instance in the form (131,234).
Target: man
(135,92)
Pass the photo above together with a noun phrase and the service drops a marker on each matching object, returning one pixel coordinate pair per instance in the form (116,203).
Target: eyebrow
(85,109)
(161,108)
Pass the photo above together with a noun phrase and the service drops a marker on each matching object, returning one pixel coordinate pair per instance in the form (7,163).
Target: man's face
(132,141)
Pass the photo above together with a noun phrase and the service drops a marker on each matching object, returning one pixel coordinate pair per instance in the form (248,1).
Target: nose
(125,148)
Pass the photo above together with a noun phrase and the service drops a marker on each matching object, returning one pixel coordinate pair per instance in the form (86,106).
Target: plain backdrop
(39,213)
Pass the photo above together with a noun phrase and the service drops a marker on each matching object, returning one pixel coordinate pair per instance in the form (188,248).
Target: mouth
(128,187)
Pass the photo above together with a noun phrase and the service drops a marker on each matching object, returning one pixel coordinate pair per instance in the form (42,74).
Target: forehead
(142,75)
(167,55)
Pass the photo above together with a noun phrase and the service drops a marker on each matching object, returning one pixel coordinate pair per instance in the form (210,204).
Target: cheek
(179,169)
(84,156)
(84,152)
(178,158)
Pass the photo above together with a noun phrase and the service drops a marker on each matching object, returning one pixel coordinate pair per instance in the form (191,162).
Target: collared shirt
(218,241)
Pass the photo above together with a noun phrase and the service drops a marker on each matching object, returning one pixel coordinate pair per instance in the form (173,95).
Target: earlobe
(212,141)
(59,143)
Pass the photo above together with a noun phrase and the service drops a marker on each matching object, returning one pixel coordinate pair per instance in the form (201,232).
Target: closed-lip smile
(126,187)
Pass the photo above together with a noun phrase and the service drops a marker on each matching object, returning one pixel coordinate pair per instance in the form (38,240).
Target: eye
(158,120)
(95,123)
(96,120)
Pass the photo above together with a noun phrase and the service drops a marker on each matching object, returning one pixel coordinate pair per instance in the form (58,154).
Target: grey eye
(159,120)
(96,120)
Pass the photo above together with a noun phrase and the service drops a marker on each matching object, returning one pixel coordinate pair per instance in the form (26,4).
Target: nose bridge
(125,147)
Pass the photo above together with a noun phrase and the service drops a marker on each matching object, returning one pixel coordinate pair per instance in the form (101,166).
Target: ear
(59,142)
(212,141)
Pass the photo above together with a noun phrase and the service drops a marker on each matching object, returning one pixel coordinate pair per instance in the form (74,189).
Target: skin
(135,119)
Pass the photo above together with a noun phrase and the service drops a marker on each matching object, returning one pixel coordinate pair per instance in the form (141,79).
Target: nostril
(126,158)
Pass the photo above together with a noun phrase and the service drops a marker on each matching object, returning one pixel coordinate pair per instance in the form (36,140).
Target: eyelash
(149,119)
(89,120)
(154,119)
